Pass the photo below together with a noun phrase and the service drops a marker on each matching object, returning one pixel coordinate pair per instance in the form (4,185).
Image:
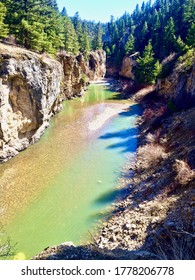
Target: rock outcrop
(128,64)
(179,85)
(32,88)
(97,65)
(74,69)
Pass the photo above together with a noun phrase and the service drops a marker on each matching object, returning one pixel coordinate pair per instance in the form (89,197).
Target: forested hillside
(169,24)
(154,31)
(38,25)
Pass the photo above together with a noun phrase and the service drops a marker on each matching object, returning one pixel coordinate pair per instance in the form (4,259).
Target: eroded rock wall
(128,65)
(32,88)
(96,65)
(179,85)
(78,72)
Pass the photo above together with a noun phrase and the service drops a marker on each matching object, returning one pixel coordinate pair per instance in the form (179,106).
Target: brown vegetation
(184,173)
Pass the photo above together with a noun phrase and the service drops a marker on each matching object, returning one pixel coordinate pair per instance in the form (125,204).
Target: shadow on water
(127,146)
(128,136)
(126,142)
(133,111)
(111,196)
(123,134)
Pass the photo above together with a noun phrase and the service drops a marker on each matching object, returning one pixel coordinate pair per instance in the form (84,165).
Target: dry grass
(151,114)
(184,173)
(175,245)
(151,154)
(153,138)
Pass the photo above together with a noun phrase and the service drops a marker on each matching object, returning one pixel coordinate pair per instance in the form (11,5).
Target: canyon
(32,88)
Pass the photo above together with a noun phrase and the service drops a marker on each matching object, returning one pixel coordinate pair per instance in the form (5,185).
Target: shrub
(150,114)
(153,138)
(151,154)
(173,245)
(184,173)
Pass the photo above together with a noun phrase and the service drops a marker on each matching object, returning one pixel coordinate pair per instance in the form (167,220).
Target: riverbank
(158,212)
(155,219)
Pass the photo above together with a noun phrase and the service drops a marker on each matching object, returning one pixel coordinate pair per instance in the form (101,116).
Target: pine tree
(130,45)
(188,11)
(148,68)
(84,44)
(191,35)
(35,24)
(3,26)
(97,42)
(144,34)
(180,46)
(70,37)
(64,12)
(169,37)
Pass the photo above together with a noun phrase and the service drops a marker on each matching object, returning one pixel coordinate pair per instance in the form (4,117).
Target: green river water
(59,189)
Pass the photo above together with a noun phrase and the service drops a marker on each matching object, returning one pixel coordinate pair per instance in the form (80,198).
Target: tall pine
(3,26)
(148,67)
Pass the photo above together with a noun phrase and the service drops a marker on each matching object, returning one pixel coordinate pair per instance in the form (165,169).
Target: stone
(32,88)
(128,64)
(178,86)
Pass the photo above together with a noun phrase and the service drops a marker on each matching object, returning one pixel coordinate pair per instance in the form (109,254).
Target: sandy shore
(107,114)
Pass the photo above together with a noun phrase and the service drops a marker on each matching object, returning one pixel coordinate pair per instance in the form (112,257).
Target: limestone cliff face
(179,85)
(78,72)
(128,64)
(73,70)
(32,88)
(96,65)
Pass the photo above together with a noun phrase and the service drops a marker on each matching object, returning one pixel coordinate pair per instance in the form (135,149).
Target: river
(60,188)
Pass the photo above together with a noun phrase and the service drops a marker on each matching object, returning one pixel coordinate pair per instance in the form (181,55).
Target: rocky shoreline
(159,204)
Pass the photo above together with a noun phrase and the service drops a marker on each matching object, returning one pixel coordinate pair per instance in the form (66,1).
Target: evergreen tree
(130,45)
(97,43)
(3,26)
(35,24)
(70,37)
(148,68)
(144,34)
(169,37)
(64,12)
(84,44)
(189,11)
(191,35)
(180,45)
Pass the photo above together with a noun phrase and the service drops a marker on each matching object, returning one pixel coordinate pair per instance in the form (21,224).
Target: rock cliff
(32,88)
(128,64)
(179,85)
(96,65)
(78,72)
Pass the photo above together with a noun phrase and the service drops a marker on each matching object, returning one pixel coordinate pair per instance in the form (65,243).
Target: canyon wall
(128,65)
(32,88)
(179,85)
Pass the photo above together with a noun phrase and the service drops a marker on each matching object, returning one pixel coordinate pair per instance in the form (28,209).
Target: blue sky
(98,10)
